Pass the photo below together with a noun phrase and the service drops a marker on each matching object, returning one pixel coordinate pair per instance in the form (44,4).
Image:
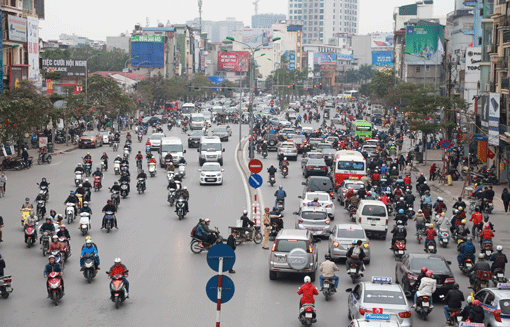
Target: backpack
(194,231)
(500,258)
(356,252)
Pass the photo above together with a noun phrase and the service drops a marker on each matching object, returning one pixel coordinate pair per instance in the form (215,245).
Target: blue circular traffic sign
(445,144)
(255,180)
(221,251)
(227,289)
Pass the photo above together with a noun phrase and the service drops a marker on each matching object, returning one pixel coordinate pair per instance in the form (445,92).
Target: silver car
(288,149)
(495,299)
(222,131)
(342,237)
(155,140)
(315,219)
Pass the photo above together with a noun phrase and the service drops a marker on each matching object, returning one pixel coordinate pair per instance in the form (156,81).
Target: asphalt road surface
(167,281)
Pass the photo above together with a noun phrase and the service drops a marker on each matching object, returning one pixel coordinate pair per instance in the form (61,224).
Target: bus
(188,109)
(173,105)
(362,129)
(351,95)
(349,164)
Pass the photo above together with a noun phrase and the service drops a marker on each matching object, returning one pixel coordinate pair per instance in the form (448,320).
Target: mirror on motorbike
(330,215)
(348,290)
(299,197)
(223,150)
(408,294)
(222,170)
(198,150)
(295,213)
(303,183)
(184,151)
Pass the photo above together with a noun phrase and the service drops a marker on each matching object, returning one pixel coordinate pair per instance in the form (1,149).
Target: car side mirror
(303,183)
(300,197)
(222,170)
(449,262)
(295,213)
(330,215)
(348,290)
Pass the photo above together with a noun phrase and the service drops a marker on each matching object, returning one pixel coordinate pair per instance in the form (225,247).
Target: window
(321,11)
(304,17)
(291,5)
(321,17)
(374,210)
(427,68)
(418,69)
(315,34)
(322,5)
(321,23)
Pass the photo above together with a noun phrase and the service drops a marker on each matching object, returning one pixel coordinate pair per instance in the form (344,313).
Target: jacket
(117,270)
(476,314)
(201,231)
(444,223)
(476,218)
(49,268)
(467,248)
(55,246)
(430,233)
(486,234)
(328,268)
(427,287)
(481,265)
(499,259)
(280,194)
(87,249)
(454,299)
(266,220)
(231,242)
(308,291)
(246,221)
(505,196)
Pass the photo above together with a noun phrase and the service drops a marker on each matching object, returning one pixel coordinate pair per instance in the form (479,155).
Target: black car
(314,143)
(315,167)
(408,269)
(272,141)
(329,156)
(194,138)
(319,184)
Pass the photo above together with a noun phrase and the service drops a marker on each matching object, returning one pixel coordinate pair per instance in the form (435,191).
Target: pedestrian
(1,226)
(231,241)
(3,179)
(505,196)
(266,221)
(2,266)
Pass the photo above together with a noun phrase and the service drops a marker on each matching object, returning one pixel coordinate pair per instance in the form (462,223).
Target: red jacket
(430,233)
(118,270)
(440,207)
(486,234)
(308,291)
(407,180)
(384,199)
(376,177)
(398,192)
(476,218)
(432,169)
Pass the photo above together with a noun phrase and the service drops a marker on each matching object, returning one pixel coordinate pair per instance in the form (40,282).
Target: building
(266,20)
(125,80)
(118,42)
(361,49)
(217,31)
(77,41)
(419,10)
(323,20)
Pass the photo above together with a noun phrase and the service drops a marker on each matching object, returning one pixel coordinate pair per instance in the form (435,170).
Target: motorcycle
(54,286)
(5,286)
(117,289)
(46,191)
(103,165)
(466,266)
(399,248)
(264,154)
(97,183)
(307,314)
(45,243)
(78,178)
(88,168)
(431,247)
(41,206)
(89,266)
(25,214)
(115,146)
(138,165)
(482,280)
(170,175)
(140,185)
(140,137)
(328,287)
(487,248)
(285,171)
(352,212)
(30,233)
(488,206)
(271,180)
(84,222)
(444,238)
(180,205)
(42,159)
(420,233)
(116,167)
(171,196)
(423,306)
(58,257)
(109,220)
(197,245)
(115,198)
(124,189)
(279,206)
(182,170)
(499,276)
(152,169)
(70,212)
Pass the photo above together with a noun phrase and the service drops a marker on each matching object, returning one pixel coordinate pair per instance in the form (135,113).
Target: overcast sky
(97,19)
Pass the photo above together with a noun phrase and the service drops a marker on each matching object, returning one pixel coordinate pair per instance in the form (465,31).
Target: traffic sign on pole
(255,180)
(255,166)
(271,102)
(227,289)
(445,144)
(221,251)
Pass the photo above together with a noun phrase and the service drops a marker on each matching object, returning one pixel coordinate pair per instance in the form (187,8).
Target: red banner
(233,61)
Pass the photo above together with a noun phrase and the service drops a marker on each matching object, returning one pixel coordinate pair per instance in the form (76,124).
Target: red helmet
(476,303)
(424,270)
(421,174)
(429,273)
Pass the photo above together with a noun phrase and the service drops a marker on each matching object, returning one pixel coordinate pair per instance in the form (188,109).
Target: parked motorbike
(242,236)
(180,206)
(423,306)
(84,222)
(5,286)
(431,247)
(444,238)
(307,314)
(54,286)
(12,164)
(89,266)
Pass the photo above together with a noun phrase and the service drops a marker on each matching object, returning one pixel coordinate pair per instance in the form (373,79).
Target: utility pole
(200,22)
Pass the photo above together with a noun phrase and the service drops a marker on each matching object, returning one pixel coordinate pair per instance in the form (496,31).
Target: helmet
(486,218)
(429,273)
(280,187)
(455,286)
(469,299)
(463,222)
(327,256)
(88,242)
(308,279)
(316,199)
(97,168)
(421,174)
(185,188)
(245,211)
(86,179)
(431,225)
(469,238)
(81,185)
(424,269)
(460,208)
(401,211)
(88,238)
(284,158)
(476,303)
(440,199)
(41,192)
(369,193)
(51,257)
(79,164)
(85,204)
(55,237)
(399,222)
(354,242)
(420,211)
(499,248)
(27,199)
(401,199)
(487,226)
(117,260)
(62,226)
(88,153)
(425,182)
(201,219)
(266,209)
(207,220)
(481,255)
(460,198)
(62,239)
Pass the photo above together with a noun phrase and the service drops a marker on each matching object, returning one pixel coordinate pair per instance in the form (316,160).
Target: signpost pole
(220,285)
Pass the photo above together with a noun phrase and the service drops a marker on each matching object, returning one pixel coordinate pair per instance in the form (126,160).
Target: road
(167,280)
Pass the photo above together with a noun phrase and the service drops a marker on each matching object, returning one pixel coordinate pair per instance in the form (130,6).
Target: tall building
(217,31)
(323,20)
(266,20)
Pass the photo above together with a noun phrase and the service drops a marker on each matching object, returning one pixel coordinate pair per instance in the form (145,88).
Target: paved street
(167,280)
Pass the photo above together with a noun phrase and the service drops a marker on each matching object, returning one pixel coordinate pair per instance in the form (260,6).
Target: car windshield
(316,162)
(210,168)
(220,129)
(351,165)
(323,184)
(89,133)
(287,146)
(504,306)
(171,148)
(315,155)
(350,233)
(299,137)
(355,186)
(200,118)
(384,297)
(369,149)
(271,136)
(329,151)
(104,133)
(321,196)
(289,245)
(210,147)
(157,137)
(374,210)
(311,215)
(437,265)
(324,146)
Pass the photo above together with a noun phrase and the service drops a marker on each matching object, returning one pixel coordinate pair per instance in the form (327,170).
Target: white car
(293,114)
(106,135)
(324,200)
(211,173)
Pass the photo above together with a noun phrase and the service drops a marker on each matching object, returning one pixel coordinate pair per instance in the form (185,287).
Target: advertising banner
(67,67)
(311,59)
(472,73)
(291,57)
(233,61)
(258,37)
(382,58)
(328,67)
(484,115)
(17,28)
(217,79)
(423,40)
(33,48)
(147,51)
(494,119)
(322,58)
(381,40)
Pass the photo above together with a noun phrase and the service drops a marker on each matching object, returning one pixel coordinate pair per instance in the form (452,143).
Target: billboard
(382,58)
(147,51)
(17,28)
(258,37)
(291,57)
(67,67)
(381,40)
(494,118)
(423,40)
(33,48)
(322,58)
(233,61)
(472,73)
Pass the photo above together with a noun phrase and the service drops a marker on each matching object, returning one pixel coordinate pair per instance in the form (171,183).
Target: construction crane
(256,4)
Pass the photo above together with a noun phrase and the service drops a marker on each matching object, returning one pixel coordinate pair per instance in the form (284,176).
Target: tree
(382,83)
(365,73)
(106,97)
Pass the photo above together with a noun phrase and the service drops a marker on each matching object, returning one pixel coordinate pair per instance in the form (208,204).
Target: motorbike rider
(280,195)
(401,216)
(55,245)
(149,156)
(181,161)
(462,229)
(420,180)
(486,234)
(477,219)
(53,266)
(400,204)
(481,265)
(27,205)
(41,197)
(104,158)
(115,187)
(422,274)
(142,175)
(86,209)
(87,187)
(99,173)
(127,146)
(499,259)
(87,157)
(466,250)
(427,288)
(284,163)
(440,206)
(116,137)
(328,268)
(443,223)
(399,233)
(139,157)
(184,193)
(424,187)
(354,200)
(453,300)
(89,248)
(420,220)
(109,207)
(119,269)
(355,255)
(168,156)
(247,223)
(308,291)
(63,232)
(272,171)
(118,159)
(426,199)
(212,234)
(409,198)
(375,178)
(48,226)
(172,185)
(125,178)
(170,167)
(264,146)
(476,313)
(486,221)
(430,235)
(459,203)
(93,244)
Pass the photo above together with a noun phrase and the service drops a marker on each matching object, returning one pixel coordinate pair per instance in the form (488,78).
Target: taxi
(380,296)
(375,320)
(496,304)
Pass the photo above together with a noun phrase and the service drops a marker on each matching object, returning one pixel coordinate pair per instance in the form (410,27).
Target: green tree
(365,73)
(106,97)
(382,83)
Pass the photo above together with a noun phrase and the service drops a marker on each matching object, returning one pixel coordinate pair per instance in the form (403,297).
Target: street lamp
(125,71)
(87,75)
(252,70)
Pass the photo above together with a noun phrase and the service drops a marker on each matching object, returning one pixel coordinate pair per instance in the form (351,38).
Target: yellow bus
(362,129)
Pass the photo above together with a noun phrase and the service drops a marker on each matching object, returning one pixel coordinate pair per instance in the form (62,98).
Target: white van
(188,109)
(210,149)
(197,121)
(172,144)
(373,217)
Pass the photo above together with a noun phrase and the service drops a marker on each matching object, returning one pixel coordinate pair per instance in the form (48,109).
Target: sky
(97,19)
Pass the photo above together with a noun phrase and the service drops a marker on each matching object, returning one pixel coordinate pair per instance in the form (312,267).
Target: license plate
(425,304)
(326,285)
(400,252)
(210,180)
(316,169)
(488,252)
(373,224)
(352,270)
(445,241)
(431,247)
(308,315)
(468,265)
(500,276)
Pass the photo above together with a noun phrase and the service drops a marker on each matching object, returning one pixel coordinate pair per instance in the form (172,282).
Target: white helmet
(245,211)
(185,187)
(308,279)
(439,198)
(117,260)
(499,248)
(88,242)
